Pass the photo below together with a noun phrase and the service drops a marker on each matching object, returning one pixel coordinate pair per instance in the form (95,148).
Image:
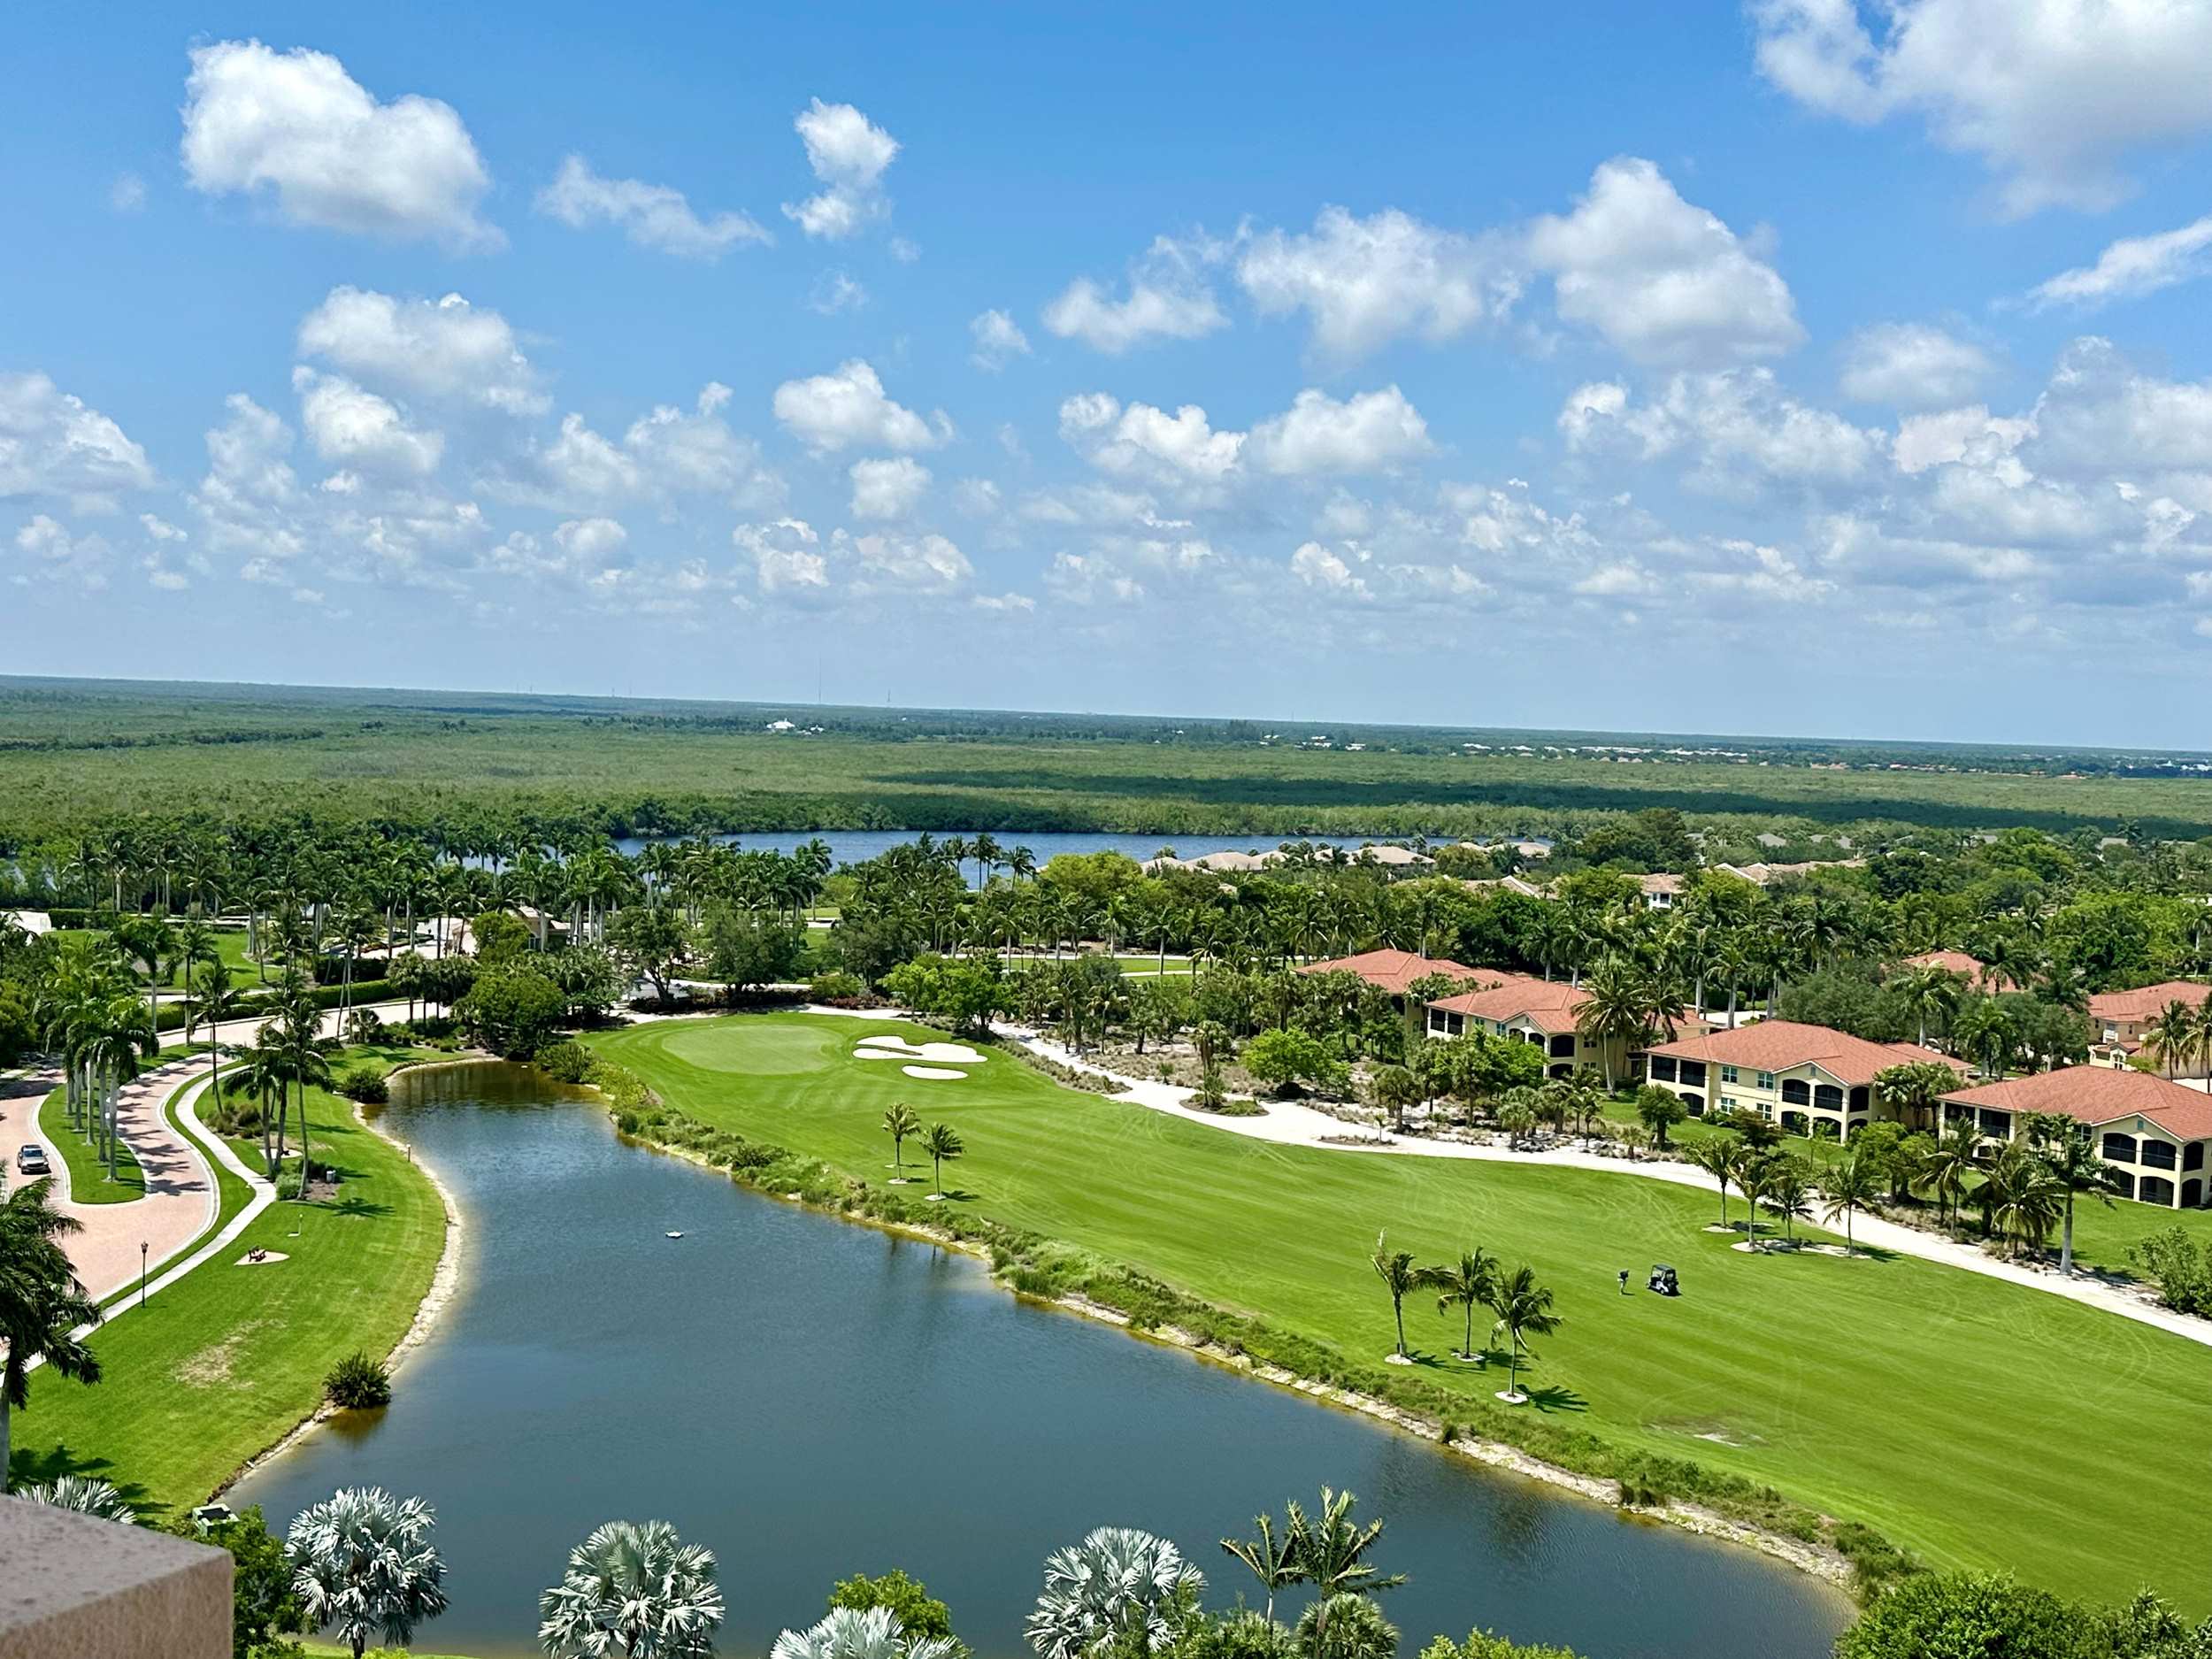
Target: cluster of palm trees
(939,1142)
(1521,1307)
(88,1010)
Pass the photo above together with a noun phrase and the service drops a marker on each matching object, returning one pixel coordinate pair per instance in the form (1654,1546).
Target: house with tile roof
(1522,1007)
(1391,971)
(1973,969)
(1810,1079)
(2118,1020)
(2155,1132)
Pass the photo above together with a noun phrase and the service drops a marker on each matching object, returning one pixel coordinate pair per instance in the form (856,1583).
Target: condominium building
(1810,1079)
(2154,1133)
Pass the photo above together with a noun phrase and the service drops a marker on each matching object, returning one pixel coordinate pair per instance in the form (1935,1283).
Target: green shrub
(358,1381)
(568,1061)
(836,986)
(367,1087)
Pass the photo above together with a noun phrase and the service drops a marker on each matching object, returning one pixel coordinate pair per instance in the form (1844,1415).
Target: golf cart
(1663,1281)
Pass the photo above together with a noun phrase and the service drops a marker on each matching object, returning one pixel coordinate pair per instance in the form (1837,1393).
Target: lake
(811,1399)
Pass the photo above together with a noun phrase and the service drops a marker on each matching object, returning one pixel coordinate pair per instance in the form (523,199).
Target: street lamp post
(143,1248)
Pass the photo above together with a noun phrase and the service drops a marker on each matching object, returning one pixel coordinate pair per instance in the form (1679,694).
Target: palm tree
(1718,1157)
(1954,1158)
(2023,1197)
(1789,1194)
(1984,1033)
(1119,1586)
(2171,1038)
(941,1142)
(1617,1013)
(212,1001)
(2072,1155)
(1516,1115)
(1274,1563)
(851,1632)
(898,1122)
(1331,1549)
(41,1301)
(362,1560)
(1395,1089)
(1849,1184)
(1468,1282)
(83,1494)
(633,1588)
(1755,1172)
(1523,1308)
(1929,992)
(304,1068)
(1344,1627)
(1399,1276)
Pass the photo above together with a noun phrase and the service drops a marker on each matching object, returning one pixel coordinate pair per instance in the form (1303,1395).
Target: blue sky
(1797,367)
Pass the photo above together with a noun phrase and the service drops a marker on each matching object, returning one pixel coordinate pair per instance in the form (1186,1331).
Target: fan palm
(851,1632)
(1119,1586)
(633,1588)
(83,1494)
(1523,1308)
(362,1560)
(1467,1282)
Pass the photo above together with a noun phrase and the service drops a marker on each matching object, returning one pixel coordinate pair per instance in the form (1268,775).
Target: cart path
(1287,1122)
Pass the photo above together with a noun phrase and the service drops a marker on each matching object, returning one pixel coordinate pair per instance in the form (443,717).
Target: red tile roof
(1394,971)
(1550,1005)
(1778,1044)
(2148,1002)
(2097,1095)
(1973,969)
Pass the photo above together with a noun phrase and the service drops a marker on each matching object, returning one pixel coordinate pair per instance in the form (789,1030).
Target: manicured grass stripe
(88,1182)
(224,1365)
(1978,1422)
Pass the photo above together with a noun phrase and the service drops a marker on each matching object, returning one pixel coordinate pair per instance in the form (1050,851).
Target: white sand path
(1287,1123)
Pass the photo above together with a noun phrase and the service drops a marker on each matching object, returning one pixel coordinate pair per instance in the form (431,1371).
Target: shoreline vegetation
(1846,1555)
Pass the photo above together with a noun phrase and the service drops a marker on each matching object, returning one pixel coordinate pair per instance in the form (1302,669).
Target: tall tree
(632,1590)
(1524,1309)
(41,1301)
(1400,1277)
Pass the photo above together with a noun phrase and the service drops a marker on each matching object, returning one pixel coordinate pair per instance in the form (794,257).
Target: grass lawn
(1974,1421)
(88,1182)
(224,1365)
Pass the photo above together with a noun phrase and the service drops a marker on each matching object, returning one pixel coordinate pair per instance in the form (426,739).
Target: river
(811,1399)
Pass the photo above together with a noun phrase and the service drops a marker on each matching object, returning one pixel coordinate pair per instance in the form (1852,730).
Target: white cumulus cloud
(354,427)
(849,154)
(888,489)
(53,444)
(296,126)
(442,348)
(848,409)
(1366,282)
(1168,299)
(2054,95)
(1370,432)
(650,215)
(1912,365)
(1663,282)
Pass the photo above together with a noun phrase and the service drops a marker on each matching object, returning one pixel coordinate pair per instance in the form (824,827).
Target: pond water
(811,1399)
(853,846)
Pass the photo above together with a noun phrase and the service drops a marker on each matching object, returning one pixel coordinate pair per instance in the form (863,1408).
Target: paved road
(179,1202)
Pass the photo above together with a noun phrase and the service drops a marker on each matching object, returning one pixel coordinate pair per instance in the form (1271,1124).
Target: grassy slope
(224,1365)
(88,1182)
(1955,1413)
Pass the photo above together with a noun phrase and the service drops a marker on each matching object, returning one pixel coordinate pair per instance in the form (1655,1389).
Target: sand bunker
(930,1073)
(933,1053)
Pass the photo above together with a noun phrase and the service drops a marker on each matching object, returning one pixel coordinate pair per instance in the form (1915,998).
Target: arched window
(2155,1154)
(1694,1104)
(2154,1189)
(2120,1148)
(1796,1092)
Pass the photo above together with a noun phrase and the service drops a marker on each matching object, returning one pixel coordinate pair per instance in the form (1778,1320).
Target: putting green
(1978,1422)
